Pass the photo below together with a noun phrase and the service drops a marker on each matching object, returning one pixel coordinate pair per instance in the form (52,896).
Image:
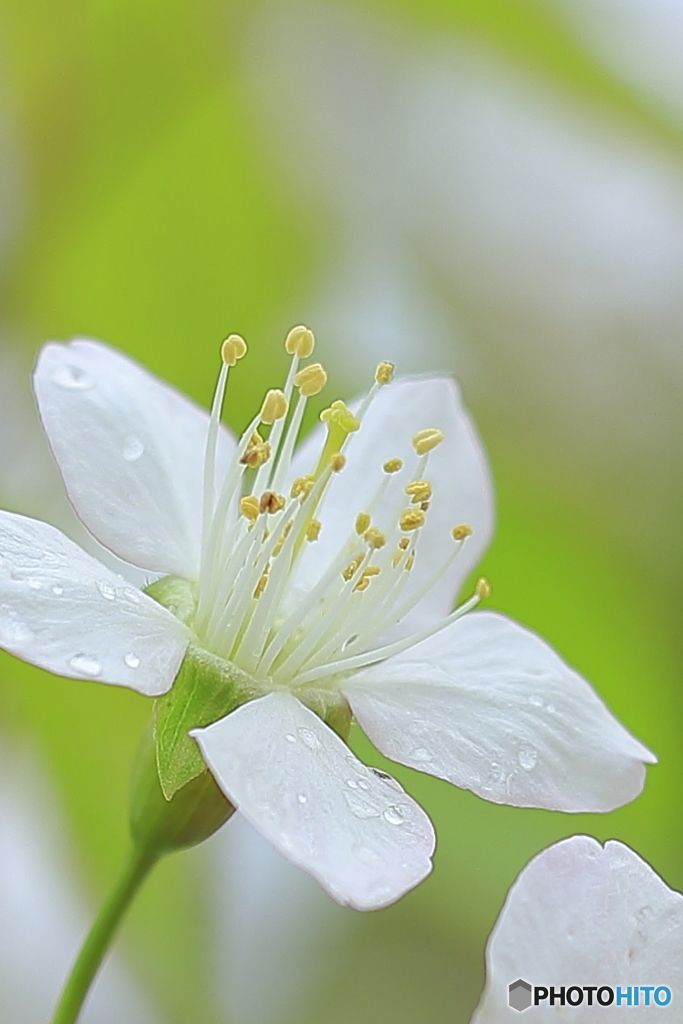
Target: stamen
(258,452)
(461,532)
(411,519)
(419,491)
(311,380)
(384,374)
(366,576)
(483,588)
(352,568)
(313,529)
(233,348)
(374,537)
(275,406)
(337,462)
(425,440)
(302,486)
(249,507)
(261,585)
(362,523)
(271,502)
(283,537)
(300,342)
(393,466)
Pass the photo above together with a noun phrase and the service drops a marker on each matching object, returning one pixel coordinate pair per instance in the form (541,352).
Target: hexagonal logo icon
(519,995)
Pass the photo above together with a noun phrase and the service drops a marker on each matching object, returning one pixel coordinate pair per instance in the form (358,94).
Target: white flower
(324,591)
(581,914)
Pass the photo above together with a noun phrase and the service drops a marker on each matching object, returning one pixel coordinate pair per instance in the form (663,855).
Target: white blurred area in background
(43,914)
(484,224)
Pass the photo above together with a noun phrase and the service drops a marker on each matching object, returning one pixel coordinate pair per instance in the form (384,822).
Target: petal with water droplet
(65,627)
(263,773)
(131,451)
(463,698)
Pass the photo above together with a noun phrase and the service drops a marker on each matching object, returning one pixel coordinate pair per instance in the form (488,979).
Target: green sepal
(193,813)
(206,688)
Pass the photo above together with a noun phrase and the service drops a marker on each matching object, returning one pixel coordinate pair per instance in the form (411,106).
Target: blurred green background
(489,188)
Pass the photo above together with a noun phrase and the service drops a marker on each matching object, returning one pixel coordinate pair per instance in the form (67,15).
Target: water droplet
(536,701)
(363,784)
(290,737)
(360,808)
(394,815)
(309,738)
(349,640)
(352,784)
(527,756)
(86,664)
(35,584)
(131,660)
(132,448)
(73,378)
(421,754)
(551,709)
(57,590)
(132,593)
(302,798)
(106,590)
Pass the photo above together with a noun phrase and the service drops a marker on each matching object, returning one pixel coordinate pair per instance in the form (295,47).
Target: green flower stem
(96,945)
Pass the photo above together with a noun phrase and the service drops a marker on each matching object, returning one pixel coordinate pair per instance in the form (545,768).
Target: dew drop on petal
(309,738)
(527,756)
(551,709)
(106,590)
(421,754)
(131,660)
(536,701)
(360,808)
(363,784)
(86,664)
(132,448)
(57,590)
(132,593)
(73,378)
(35,584)
(290,737)
(394,815)
(302,798)
(352,784)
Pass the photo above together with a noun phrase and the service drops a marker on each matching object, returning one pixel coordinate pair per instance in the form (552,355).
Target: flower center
(257,522)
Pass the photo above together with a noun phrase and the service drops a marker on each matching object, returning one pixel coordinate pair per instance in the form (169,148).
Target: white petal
(489,706)
(64,611)
(457,469)
(300,786)
(580,914)
(131,451)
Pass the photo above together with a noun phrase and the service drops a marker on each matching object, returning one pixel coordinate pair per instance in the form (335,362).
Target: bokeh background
(492,188)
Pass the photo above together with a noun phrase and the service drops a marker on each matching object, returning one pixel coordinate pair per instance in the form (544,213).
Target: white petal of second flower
(131,451)
(490,707)
(62,610)
(583,914)
(299,785)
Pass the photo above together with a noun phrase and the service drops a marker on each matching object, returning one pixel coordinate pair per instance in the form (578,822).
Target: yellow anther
(393,466)
(462,531)
(366,576)
(374,537)
(424,505)
(258,451)
(352,568)
(313,529)
(483,588)
(340,415)
(410,562)
(311,380)
(337,462)
(300,341)
(384,374)
(404,543)
(271,502)
(249,507)
(274,407)
(232,349)
(302,486)
(362,522)
(261,585)
(283,537)
(411,519)
(419,491)
(425,440)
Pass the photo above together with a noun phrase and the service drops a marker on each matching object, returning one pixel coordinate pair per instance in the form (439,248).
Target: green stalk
(96,945)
